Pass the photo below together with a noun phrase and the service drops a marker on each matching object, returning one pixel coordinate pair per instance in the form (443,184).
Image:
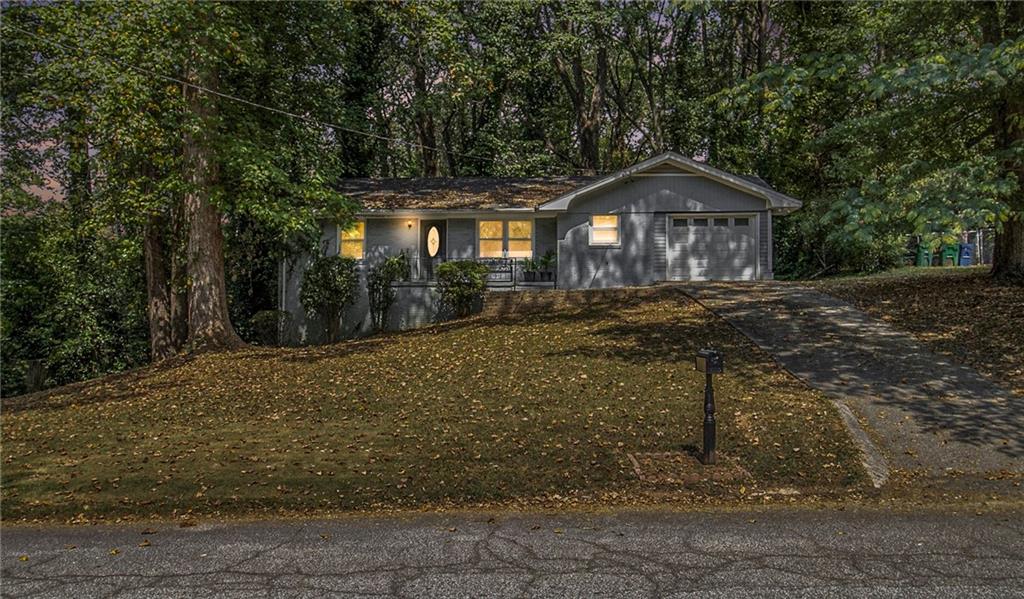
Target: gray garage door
(704,247)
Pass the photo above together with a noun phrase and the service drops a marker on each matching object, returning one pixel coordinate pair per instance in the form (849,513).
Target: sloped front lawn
(959,312)
(541,405)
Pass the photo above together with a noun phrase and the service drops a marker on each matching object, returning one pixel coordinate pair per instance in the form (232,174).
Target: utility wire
(207,90)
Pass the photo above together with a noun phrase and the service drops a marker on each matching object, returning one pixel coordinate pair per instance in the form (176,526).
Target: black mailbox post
(709,362)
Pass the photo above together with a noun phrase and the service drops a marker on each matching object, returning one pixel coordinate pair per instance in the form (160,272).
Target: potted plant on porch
(529,267)
(546,265)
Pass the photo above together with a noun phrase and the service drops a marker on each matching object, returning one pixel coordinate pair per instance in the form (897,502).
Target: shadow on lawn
(845,352)
(115,388)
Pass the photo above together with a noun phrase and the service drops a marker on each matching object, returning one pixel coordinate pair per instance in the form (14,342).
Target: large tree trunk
(179,279)
(424,118)
(158,289)
(79,193)
(209,325)
(588,107)
(334,328)
(1008,257)
(1008,124)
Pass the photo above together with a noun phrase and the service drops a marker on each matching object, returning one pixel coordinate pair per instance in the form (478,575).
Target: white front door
(709,247)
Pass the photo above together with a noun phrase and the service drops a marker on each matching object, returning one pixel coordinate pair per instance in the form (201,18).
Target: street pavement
(770,553)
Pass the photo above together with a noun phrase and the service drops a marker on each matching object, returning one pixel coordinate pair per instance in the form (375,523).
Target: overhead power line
(226,96)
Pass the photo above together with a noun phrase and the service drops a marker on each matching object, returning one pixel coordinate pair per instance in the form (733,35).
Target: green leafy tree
(909,120)
(329,286)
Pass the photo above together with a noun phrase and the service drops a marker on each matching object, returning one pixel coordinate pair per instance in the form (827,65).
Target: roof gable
(672,162)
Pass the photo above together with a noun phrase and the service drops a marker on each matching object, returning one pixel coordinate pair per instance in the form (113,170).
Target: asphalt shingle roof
(458,193)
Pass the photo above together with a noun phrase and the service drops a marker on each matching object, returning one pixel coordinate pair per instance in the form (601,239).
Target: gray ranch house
(668,218)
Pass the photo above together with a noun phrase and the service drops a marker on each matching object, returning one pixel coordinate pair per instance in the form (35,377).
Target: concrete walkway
(741,554)
(926,413)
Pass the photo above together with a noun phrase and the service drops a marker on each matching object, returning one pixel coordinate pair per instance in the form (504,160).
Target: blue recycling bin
(966,257)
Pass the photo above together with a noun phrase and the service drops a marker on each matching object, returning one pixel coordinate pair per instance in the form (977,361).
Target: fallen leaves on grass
(959,312)
(516,408)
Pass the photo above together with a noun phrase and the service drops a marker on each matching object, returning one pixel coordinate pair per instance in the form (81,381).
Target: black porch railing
(503,272)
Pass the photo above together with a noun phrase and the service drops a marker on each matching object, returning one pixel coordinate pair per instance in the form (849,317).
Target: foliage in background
(379,287)
(887,119)
(461,285)
(74,300)
(329,286)
(902,123)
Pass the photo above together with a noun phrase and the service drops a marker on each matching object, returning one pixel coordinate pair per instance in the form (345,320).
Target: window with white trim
(520,239)
(604,229)
(505,238)
(491,238)
(352,240)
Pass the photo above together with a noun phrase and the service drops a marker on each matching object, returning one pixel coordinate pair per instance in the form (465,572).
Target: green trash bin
(924,255)
(950,254)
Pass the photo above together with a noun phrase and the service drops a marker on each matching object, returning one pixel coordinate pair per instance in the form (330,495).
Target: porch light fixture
(408,223)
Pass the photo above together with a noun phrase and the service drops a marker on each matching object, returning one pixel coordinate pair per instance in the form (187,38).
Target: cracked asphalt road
(777,553)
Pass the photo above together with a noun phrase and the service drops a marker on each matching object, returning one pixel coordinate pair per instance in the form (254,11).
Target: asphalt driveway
(778,553)
(921,411)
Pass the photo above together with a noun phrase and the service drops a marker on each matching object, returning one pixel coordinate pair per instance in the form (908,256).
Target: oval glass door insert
(433,241)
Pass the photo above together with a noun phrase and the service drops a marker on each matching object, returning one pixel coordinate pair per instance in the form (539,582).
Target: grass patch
(501,408)
(959,312)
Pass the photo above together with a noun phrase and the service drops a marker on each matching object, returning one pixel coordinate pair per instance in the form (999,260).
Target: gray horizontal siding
(388,237)
(669,194)
(582,266)
(659,251)
(461,238)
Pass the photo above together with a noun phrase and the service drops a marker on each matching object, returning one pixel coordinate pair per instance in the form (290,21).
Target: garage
(712,247)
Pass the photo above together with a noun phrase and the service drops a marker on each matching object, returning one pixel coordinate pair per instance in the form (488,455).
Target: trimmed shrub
(378,287)
(329,286)
(461,284)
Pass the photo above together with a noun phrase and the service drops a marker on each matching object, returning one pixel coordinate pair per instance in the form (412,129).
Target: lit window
(520,238)
(353,239)
(491,238)
(512,239)
(604,229)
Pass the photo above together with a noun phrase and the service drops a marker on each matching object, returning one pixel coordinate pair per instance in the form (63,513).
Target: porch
(503,273)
